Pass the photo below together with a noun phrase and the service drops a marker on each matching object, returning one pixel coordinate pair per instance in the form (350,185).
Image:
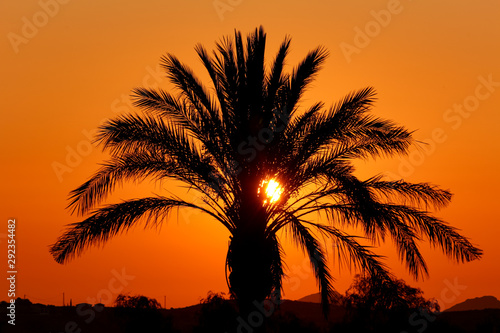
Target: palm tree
(265,168)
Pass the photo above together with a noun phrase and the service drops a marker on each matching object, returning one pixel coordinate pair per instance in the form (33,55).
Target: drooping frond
(138,165)
(407,225)
(415,194)
(311,246)
(404,238)
(114,219)
(350,252)
(277,268)
(439,233)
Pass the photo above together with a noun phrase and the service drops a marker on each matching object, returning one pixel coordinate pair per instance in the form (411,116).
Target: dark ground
(293,316)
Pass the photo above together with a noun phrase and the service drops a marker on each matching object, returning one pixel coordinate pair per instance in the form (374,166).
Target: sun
(272,190)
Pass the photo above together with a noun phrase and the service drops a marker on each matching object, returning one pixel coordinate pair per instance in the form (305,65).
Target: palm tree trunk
(250,277)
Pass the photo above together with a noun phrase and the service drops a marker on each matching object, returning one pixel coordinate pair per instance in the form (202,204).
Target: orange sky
(67,66)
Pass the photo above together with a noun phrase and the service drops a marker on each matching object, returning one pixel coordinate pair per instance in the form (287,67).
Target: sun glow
(272,190)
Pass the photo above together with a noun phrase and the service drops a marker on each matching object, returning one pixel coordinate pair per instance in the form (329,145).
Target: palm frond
(311,246)
(132,133)
(346,121)
(276,79)
(217,79)
(114,219)
(162,103)
(415,194)
(191,88)
(277,268)
(351,252)
(129,166)
(438,232)
(303,75)
(255,75)
(404,238)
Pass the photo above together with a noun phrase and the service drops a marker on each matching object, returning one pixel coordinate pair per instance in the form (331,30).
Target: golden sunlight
(272,190)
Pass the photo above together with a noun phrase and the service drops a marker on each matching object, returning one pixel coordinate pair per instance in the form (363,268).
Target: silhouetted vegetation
(373,294)
(228,141)
(217,314)
(292,317)
(375,303)
(136,302)
(140,314)
(288,322)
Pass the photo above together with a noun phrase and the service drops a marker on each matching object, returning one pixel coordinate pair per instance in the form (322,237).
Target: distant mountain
(478,303)
(316,298)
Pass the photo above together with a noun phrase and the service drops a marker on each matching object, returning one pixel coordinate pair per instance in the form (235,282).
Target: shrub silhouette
(373,303)
(140,314)
(217,314)
(136,302)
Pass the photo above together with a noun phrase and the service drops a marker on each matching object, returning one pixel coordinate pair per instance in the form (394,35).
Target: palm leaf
(114,219)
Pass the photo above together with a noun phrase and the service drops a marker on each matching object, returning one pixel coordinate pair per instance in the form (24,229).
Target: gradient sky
(68,66)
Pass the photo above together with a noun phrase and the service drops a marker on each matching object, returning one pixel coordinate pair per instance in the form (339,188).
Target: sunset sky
(69,65)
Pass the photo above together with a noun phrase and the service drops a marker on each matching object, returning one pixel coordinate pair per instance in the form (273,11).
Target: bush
(217,314)
(372,303)
(136,302)
(140,314)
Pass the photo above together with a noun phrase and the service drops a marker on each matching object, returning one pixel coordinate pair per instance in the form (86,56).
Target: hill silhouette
(477,303)
(316,298)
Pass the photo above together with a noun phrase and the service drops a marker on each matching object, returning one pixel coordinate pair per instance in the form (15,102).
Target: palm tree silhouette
(245,137)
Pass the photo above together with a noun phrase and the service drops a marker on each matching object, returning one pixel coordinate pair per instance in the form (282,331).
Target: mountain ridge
(476,303)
